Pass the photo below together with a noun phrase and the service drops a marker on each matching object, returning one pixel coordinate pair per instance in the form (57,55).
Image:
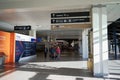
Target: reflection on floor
(50,71)
(69,67)
(114,66)
(112,56)
(65,56)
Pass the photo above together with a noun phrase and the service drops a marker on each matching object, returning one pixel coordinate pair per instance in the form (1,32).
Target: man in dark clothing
(45,52)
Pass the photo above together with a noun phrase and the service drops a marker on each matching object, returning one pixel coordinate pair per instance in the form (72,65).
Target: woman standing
(58,51)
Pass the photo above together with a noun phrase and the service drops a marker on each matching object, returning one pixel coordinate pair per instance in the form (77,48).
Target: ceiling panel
(36,12)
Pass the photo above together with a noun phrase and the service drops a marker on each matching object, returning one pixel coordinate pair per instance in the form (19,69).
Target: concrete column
(48,41)
(117,50)
(80,47)
(32,33)
(100,40)
(48,38)
(85,44)
(109,45)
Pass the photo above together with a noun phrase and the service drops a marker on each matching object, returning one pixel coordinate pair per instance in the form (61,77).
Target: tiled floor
(69,67)
(49,71)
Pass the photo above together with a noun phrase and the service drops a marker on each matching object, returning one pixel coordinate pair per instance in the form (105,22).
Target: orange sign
(7,45)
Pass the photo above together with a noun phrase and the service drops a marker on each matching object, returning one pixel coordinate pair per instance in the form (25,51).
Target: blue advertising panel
(33,40)
(24,49)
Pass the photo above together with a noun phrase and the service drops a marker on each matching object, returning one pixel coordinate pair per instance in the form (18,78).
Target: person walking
(52,52)
(58,51)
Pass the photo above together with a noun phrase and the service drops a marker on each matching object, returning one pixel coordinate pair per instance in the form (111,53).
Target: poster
(24,49)
(7,45)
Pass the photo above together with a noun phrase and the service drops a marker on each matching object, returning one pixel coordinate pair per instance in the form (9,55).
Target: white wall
(21,37)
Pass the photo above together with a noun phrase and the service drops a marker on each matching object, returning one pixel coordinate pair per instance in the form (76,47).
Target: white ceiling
(52,4)
(30,12)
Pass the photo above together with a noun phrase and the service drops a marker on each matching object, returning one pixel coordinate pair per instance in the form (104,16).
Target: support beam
(85,44)
(100,40)
(115,42)
(32,33)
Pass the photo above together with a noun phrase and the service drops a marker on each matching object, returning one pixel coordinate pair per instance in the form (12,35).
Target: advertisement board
(25,47)
(7,46)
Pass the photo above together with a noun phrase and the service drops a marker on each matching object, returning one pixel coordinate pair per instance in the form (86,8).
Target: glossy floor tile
(69,67)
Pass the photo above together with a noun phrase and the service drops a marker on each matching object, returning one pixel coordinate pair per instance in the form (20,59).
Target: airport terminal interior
(60,40)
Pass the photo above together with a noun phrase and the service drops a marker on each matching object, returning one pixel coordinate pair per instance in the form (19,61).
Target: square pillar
(100,40)
(80,47)
(85,44)
(32,33)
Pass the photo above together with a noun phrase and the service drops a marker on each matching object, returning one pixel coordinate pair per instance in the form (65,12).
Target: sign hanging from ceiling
(70,14)
(22,27)
(70,17)
(70,20)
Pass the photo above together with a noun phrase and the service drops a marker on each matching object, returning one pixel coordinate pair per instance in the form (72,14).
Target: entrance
(114,40)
